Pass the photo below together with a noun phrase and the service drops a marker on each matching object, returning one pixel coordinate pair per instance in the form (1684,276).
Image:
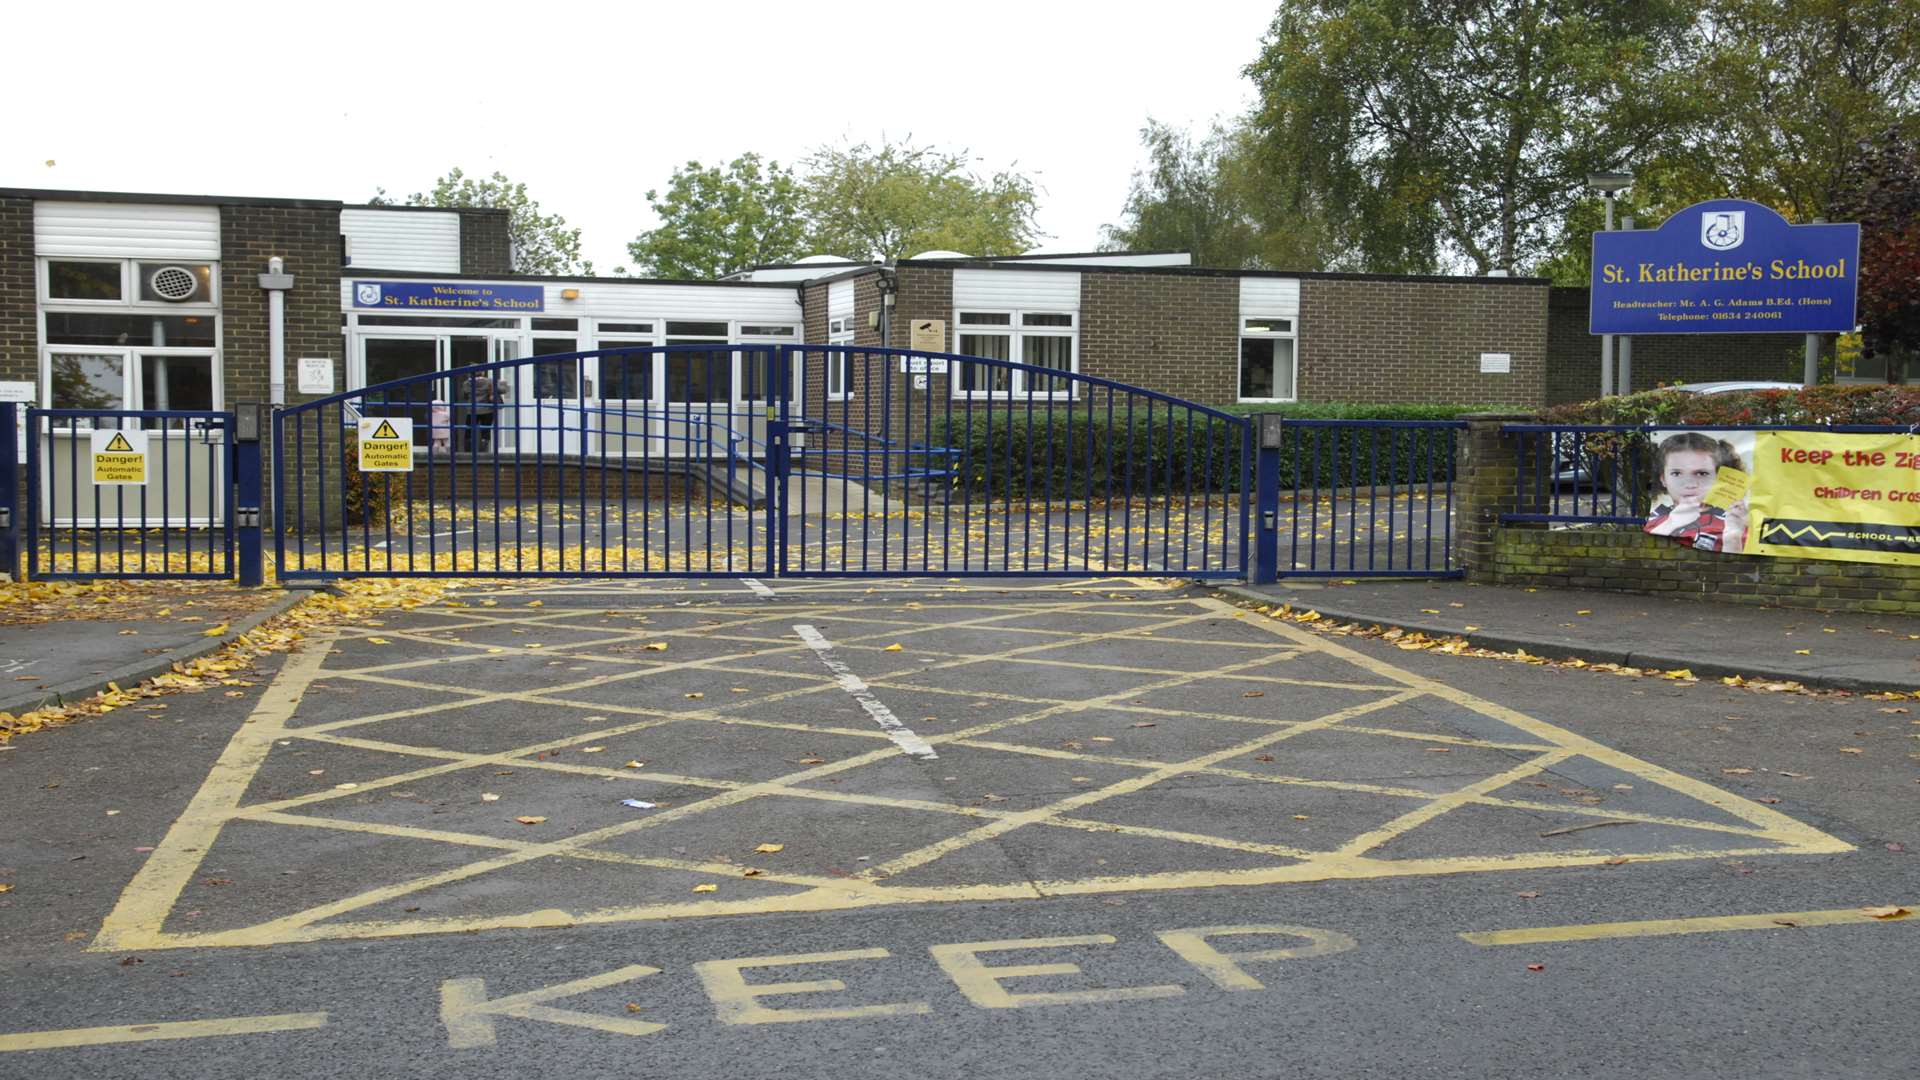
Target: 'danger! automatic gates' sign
(1725,266)
(386,444)
(119,456)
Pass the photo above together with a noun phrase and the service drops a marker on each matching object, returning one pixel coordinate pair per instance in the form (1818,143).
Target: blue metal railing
(1368,498)
(169,518)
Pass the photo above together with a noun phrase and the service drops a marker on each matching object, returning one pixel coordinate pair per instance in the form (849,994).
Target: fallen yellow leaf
(635,765)
(370,641)
(1584,611)
(706,888)
(214,631)
(591,749)
(1851,750)
(891,648)
(696,695)
(529,820)
(655,646)
(536,603)
(1803,652)
(1890,911)
(769,849)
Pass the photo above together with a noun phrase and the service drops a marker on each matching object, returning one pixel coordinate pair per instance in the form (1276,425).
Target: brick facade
(1633,562)
(1573,355)
(306,236)
(486,247)
(1175,334)
(19,333)
(1388,341)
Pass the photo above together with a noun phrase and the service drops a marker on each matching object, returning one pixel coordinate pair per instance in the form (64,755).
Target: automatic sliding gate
(760,460)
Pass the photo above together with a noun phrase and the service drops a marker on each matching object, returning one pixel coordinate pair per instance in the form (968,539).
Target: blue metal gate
(745,460)
(117,493)
(1361,498)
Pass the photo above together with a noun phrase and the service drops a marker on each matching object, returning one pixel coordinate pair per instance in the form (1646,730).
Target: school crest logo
(1723,230)
(367,293)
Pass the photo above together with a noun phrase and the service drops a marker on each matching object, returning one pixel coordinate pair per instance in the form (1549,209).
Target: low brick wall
(1630,561)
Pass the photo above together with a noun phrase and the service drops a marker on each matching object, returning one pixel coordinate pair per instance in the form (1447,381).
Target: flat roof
(51,194)
(1210,271)
(347,272)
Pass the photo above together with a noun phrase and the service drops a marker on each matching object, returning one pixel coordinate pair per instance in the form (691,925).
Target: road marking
(468,1015)
(182,1029)
(1224,968)
(1779,920)
(981,982)
(759,589)
(900,733)
(737,1001)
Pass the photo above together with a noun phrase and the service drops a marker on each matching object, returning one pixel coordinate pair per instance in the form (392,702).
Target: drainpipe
(276,281)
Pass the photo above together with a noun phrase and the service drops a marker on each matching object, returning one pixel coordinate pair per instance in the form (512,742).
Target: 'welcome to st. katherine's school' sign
(1725,266)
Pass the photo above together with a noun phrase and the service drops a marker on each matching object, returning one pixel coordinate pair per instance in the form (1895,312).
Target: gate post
(1266,483)
(247,502)
(10,490)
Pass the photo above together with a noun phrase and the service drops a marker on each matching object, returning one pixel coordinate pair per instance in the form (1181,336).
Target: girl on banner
(1704,493)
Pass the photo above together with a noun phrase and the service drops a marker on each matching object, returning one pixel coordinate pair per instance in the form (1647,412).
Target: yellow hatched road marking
(179,1029)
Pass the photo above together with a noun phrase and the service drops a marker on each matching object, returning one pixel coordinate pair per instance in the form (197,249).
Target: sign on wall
(927,335)
(1725,266)
(119,457)
(448,296)
(1801,494)
(386,444)
(316,375)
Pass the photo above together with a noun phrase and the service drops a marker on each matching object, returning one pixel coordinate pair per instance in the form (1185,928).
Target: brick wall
(485,245)
(1175,334)
(1631,561)
(19,337)
(307,238)
(1397,341)
(1573,355)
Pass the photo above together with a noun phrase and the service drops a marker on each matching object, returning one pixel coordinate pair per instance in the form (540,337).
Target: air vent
(175,283)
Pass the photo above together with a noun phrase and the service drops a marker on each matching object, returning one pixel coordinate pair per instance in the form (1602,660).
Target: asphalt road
(1031,840)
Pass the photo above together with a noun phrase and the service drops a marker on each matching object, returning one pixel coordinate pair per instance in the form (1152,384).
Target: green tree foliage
(892,200)
(1880,189)
(1213,197)
(1457,134)
(717,220)
(542,243)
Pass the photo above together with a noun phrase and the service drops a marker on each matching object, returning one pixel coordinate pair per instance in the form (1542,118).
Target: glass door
(559,392)
(385,358)
(700,392)
(629,392)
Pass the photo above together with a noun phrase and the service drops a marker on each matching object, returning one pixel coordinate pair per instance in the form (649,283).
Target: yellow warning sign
(120,457)
(386,445)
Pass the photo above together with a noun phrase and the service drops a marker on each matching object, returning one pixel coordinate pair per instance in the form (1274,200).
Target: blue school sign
(1725,266)
(448,296)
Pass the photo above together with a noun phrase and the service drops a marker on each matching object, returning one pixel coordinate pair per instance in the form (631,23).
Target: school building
(114,300)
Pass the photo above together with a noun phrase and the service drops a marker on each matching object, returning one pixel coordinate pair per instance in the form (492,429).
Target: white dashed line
(759,590)
(902,735)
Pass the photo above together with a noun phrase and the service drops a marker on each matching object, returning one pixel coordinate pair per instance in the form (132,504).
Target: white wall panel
(1270,296)
(839,300)
(631,303)
(1022,290)
(126,230)
(423,240)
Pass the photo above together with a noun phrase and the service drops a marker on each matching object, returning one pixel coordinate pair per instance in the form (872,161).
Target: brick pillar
(1485,476)
(19,325)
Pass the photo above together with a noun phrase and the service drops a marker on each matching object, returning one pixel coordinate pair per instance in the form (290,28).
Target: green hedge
(1010,458)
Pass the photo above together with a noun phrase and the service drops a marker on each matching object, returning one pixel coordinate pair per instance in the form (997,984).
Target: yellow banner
(1816,495)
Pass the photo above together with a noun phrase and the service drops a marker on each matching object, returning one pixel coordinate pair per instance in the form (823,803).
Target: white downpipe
(276,337)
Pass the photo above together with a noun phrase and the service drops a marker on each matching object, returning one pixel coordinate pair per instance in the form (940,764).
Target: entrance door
(383,359)
(560,391)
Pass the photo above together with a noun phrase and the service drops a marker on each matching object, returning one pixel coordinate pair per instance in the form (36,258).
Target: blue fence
(735,460)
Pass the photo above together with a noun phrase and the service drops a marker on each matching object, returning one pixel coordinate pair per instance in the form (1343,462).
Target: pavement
(1818,649)
(79,648)
(980,829)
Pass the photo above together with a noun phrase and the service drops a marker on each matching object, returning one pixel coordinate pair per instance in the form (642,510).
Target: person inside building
(481,397)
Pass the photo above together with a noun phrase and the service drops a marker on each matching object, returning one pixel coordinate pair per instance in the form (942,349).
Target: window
(839,365)
(557,379)
(1043,339)
(1267,359)
(130,334)
(629,377)
(84,280)
(703,375)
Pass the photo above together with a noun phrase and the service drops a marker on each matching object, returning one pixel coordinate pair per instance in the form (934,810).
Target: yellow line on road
(1779,920)
(184,1029)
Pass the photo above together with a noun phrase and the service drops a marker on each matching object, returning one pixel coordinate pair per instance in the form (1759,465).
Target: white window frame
(839,332)
(1292,334)
(1018,332)
(740,336)
(128,304)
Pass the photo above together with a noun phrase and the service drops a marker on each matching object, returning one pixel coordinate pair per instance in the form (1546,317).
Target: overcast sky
(591,105)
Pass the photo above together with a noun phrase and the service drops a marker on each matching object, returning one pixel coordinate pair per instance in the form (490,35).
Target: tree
(1213,197)
(1458,134)
(715,221)
(1880,189)
(890,201)
(542,243)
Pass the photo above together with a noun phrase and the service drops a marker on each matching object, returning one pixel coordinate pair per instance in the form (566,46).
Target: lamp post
(1608,184)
